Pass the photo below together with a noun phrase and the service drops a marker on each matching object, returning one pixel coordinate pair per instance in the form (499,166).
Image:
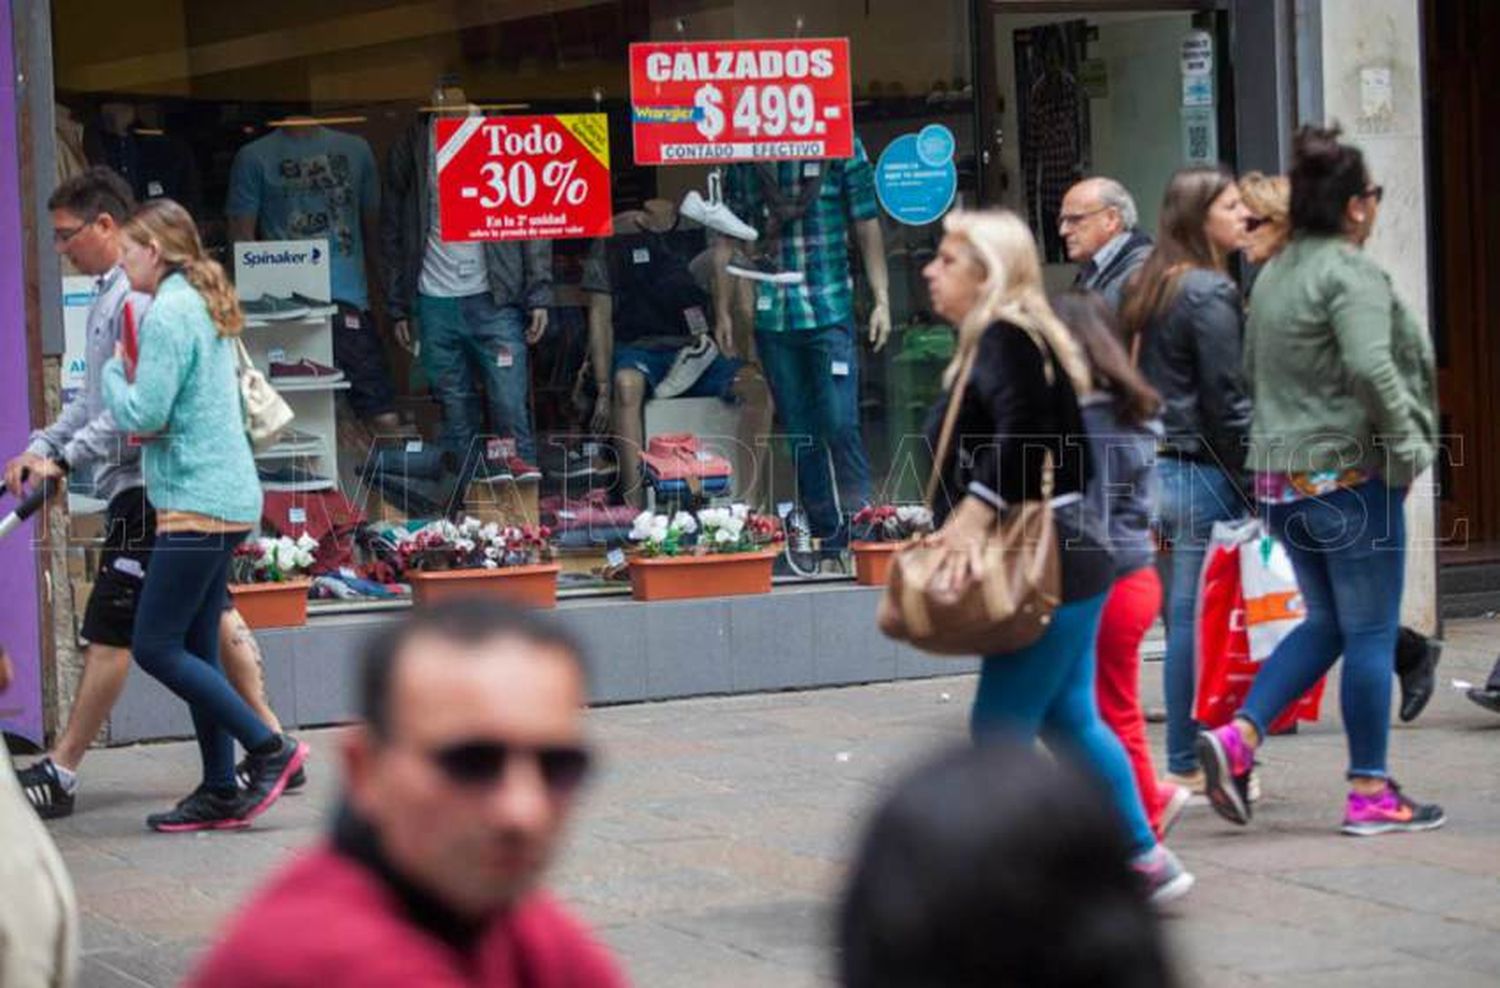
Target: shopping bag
(1226,668)
(1273,604)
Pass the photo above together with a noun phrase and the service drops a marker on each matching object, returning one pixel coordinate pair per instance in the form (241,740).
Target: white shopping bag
(1273,602)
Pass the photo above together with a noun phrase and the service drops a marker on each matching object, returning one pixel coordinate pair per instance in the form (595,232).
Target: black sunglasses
(1376,192)
(1255,223)
(482,763)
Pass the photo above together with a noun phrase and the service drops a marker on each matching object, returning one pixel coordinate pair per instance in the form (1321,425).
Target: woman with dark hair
(1122,416)
(1184,318)
(1345,419)
(994,866)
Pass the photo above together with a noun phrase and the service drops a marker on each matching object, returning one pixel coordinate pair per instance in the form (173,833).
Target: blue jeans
(1193,496)
(1349,551)
(471,341)
(176,640)
(1047,690)
(814,378)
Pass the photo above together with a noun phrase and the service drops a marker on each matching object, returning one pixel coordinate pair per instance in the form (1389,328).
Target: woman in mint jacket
(1345,419)
(200,474)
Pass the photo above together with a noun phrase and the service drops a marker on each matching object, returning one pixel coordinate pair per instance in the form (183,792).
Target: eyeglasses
(1376,192)
(66,234)
(1066,220)
(478,764)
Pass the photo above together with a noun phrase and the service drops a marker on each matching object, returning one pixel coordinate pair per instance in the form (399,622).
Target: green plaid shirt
(817,244)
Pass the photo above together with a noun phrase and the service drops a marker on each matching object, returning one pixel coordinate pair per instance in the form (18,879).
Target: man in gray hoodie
(88,211)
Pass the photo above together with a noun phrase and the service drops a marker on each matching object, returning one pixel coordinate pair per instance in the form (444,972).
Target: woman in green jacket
(200,475)
(1345,418)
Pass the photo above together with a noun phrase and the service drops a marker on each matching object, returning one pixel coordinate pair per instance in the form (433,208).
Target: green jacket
(1342,375)
(186,394)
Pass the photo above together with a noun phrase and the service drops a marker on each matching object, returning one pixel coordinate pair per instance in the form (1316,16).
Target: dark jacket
(1009,416)
(1193,353)
(1110,280)
(519,273)
(1122,491)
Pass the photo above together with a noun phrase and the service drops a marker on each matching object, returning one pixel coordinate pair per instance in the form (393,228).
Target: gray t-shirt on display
(449,270)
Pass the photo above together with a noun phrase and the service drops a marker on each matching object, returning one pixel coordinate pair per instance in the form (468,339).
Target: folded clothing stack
(588,520)
(326,516)
(677,465)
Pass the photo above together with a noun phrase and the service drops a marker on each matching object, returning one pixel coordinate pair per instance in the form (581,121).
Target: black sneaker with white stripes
(242,774)
(44,790)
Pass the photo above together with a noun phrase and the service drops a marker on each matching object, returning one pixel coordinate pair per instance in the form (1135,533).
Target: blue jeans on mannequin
(1193,496)
(814,378)
(1047,690)
(471,341)
(1349,551)
(176,640)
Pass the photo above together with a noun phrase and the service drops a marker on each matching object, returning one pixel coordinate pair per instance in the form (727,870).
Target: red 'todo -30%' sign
(524,178)
(720,101)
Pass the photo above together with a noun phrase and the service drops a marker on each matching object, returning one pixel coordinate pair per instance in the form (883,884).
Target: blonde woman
(1024,373)
(200,475)
(1268,219)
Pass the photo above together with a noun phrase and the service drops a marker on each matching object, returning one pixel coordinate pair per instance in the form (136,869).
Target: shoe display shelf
(312,440)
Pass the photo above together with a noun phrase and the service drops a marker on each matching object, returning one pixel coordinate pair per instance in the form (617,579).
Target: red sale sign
(524,178)
(721,101)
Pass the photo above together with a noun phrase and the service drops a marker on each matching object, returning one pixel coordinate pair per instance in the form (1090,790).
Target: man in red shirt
(459,781)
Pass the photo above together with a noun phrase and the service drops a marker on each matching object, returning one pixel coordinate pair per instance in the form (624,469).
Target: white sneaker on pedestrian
(688,366)
(716,216)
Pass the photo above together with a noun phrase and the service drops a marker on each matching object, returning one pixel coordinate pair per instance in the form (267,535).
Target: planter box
(529,586)
(681,577)
(272,605)
(872,562)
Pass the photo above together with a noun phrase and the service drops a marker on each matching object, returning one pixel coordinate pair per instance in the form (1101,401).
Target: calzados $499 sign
(524,178)
(721,101)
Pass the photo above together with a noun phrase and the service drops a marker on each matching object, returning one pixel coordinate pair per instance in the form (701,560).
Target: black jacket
(1009,417)
(1193,353)
(520,273)
(1110,280)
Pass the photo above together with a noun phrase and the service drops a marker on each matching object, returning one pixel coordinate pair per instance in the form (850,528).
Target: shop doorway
(1097,89)
(1463,160)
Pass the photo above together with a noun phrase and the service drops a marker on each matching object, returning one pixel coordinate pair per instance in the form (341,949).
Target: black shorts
(359,353)
(129,533)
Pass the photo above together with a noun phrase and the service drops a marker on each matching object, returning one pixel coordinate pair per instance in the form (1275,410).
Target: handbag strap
(242,357)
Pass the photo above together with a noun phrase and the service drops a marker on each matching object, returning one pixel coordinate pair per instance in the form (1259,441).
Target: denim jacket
(519,273)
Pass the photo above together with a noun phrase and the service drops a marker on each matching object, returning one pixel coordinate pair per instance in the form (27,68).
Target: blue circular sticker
(916,178)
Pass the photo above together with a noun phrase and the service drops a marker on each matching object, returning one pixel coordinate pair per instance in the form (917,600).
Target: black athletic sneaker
(203,809)
(44,790)
(269,774)
(242,774)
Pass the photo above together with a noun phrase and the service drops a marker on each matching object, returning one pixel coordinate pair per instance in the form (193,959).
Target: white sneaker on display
(763,269)
(716,216)
(690,363)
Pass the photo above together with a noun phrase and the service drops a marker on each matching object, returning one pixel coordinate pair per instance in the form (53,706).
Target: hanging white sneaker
(689,365)
(716,216)
(763,269)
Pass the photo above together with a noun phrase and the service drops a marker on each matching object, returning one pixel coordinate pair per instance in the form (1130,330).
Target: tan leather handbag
(266,413)
(992,596)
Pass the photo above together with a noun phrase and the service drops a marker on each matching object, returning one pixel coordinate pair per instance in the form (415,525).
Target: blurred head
(471,751)
(1332,193)
(987,268)
(1202,223)
(1094,212)
(1268,215)
(1090,320)
(992,865)
(161,239)
(88,211)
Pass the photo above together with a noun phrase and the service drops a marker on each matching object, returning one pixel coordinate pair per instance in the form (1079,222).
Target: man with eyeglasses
(459,780)
(1098,228)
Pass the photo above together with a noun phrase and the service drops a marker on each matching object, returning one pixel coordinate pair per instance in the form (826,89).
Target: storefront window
(301,138)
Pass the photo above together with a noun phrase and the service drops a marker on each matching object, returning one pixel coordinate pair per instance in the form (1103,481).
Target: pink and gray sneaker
(1162,875)
(1392,811)
(1227,761)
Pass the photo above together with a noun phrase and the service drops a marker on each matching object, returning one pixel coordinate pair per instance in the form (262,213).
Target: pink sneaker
(1227,761)
(1174,799)
(1388,813)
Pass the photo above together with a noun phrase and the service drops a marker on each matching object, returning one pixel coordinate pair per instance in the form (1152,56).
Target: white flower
(740,511)
(306,542)
(725,537)
(685,523)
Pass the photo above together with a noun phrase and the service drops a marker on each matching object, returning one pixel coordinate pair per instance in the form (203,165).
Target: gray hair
(1113,195)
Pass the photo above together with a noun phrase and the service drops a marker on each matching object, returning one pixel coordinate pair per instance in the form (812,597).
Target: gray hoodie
(1123,489)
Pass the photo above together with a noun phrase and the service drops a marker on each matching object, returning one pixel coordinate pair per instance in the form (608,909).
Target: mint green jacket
(186,398)
(1341,373)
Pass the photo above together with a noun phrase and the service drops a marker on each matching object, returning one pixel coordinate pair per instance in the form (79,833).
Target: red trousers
(1133,604)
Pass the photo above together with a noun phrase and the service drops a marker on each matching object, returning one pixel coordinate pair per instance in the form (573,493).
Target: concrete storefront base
(797,638)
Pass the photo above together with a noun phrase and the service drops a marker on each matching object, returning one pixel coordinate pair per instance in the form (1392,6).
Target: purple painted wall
(20,612)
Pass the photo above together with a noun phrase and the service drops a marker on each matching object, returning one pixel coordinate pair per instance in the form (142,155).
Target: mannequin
(477,306)
(155,164)
(648,338)
(805,333)
(304,181)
